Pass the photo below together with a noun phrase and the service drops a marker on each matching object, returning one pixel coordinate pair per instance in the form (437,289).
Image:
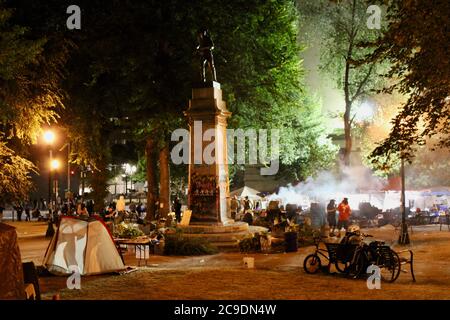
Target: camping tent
(252,194)
(87,245)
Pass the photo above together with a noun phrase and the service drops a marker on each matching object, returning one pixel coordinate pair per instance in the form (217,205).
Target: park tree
(140,70)
(30,97)
(428,168)
(419,62)
(343,30)
(257,57)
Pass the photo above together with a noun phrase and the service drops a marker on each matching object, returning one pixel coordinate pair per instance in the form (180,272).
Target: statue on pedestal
(204,50)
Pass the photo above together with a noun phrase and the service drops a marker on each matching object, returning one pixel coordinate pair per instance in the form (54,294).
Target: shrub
(179,245)
(250,244)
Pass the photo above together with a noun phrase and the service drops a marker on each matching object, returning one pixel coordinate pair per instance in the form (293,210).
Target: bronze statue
(204,49)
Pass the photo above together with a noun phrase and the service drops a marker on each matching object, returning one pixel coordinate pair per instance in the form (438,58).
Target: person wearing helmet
(344,214)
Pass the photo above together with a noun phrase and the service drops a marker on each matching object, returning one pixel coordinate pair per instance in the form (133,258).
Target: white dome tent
(87,245)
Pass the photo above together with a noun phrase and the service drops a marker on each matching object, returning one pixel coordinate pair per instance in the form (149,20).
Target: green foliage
(128,231)
(149,69)
(15,181)
(419,61)
(179,245)
(30,96)
(250,244)
(343,34)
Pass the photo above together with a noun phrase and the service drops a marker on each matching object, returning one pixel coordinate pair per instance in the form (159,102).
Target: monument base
(225,236)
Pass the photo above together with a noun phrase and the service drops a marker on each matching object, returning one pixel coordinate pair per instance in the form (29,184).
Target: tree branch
(359,91)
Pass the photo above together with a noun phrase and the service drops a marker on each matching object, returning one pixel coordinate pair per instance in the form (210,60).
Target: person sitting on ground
(109,214)
(248,217)
(82,211)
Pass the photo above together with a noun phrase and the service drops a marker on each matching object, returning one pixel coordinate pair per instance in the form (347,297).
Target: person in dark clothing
(248,217)
(331,215)
(247,204)
(90,207)
(27,212)
(2,208)
(139,210)
(108,215)
(177,209)
(19,210)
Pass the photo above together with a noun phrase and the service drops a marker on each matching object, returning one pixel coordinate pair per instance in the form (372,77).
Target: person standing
(234,207)
(27,212)
(19,210)
(247,204)
(177,209)
(344,214)
(331,216)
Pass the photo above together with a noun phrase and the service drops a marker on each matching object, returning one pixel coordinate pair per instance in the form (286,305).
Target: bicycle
(339,254)
(378,254)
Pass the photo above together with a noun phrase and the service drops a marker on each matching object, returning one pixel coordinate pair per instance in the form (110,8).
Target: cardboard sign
(186,218)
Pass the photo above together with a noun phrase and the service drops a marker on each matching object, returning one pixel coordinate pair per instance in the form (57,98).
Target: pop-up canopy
(243,192)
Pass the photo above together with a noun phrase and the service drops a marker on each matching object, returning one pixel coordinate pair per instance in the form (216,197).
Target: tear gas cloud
(358,184)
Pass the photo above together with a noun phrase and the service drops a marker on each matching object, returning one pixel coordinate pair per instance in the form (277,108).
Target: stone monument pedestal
(208,195)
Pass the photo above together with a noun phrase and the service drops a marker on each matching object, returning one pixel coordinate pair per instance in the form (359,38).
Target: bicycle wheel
(342,267)
(390,267)
(312,264)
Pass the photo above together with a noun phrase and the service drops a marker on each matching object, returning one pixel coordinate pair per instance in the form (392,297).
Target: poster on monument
(203,197)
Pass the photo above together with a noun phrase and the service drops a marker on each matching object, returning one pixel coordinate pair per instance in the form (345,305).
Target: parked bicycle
(378,254)
(352,256)
(337,254)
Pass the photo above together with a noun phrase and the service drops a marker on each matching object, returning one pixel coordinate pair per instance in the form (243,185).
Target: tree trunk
(99,184)
(152,189)
(348,137)
(348,99)
(348,108)
(164,181)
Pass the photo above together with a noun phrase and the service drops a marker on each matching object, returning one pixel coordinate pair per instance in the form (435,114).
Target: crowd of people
(337,216)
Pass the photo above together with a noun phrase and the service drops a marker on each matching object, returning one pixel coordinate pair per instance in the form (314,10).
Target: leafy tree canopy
(417,44)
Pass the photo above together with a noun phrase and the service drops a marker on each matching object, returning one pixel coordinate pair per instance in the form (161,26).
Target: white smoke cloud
(358,184)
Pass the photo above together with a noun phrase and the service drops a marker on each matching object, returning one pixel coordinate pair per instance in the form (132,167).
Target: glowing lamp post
(49,138)
(129,171)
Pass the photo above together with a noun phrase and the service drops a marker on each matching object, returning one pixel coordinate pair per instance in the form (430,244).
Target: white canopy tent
(243,192)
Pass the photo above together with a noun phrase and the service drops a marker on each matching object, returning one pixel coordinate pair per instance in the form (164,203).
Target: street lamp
(129,171)
(49,138)
(404,236)
(55,164)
